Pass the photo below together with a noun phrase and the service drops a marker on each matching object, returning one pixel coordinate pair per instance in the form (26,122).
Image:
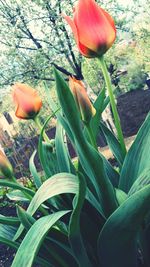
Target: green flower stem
(37,122)
(91,136)
(113,105)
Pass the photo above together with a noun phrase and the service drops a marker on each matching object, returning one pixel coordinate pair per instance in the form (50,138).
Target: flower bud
(93,28)
(6,170)
(28,103)
(86,108)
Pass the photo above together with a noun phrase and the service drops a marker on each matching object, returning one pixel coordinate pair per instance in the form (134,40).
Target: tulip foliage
(84,211)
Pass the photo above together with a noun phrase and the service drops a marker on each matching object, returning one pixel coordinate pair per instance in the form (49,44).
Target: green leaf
(75,237)
(33,171)
(137,158)
(90,159)
(121,196)
(68,104)
(47,153)
(63,158)
(142,180)
(7,231)
(60,249)
(117,244)
(34,238)
(58,184)
(17,195)
(25,218)
(98,105)
(113,144)
(13,221)
(25,190)
(59,116)
(112,174)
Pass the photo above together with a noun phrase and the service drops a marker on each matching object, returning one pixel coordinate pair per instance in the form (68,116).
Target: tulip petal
(72,25)
(27,101)
(83,49)
(95,29)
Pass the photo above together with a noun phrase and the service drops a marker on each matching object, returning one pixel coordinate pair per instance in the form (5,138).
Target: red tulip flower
(86,108)
(28,103)
(93,28)
(6,170)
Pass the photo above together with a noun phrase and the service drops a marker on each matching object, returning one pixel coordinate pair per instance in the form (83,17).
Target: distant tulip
(28,103)
(86,108)
(6,170)
(93,28)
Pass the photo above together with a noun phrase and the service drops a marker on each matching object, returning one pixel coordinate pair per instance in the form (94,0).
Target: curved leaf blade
(33,171)
(75,237)
(137,158)
(117,244)
(34,238)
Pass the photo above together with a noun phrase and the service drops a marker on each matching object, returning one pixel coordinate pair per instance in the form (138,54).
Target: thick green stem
(37,122)
(113,104)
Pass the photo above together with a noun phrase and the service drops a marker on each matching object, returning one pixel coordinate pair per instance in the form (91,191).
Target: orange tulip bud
(93,28)
(28,103)
(6,170)
(86,108)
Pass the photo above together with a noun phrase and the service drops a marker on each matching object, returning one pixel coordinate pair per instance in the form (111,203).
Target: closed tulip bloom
(6,170)
(93,28)
(86,108)
(28,103)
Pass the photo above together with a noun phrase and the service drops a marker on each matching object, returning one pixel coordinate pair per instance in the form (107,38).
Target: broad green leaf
(117,244)
(53,244)
(113,144)
(75,237)
(47,153)
(106,102)
(7,231)
(137,158)
(13,185)
(92,163)
(58,184)
(142,180)
(68,104)
(13,221)
(34,238)
(98,104)
(33,171)
(59,116)
(17,195)
(112,174)
(90,159)
(26,219)
(121,196)
(63,158)
(65,125)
